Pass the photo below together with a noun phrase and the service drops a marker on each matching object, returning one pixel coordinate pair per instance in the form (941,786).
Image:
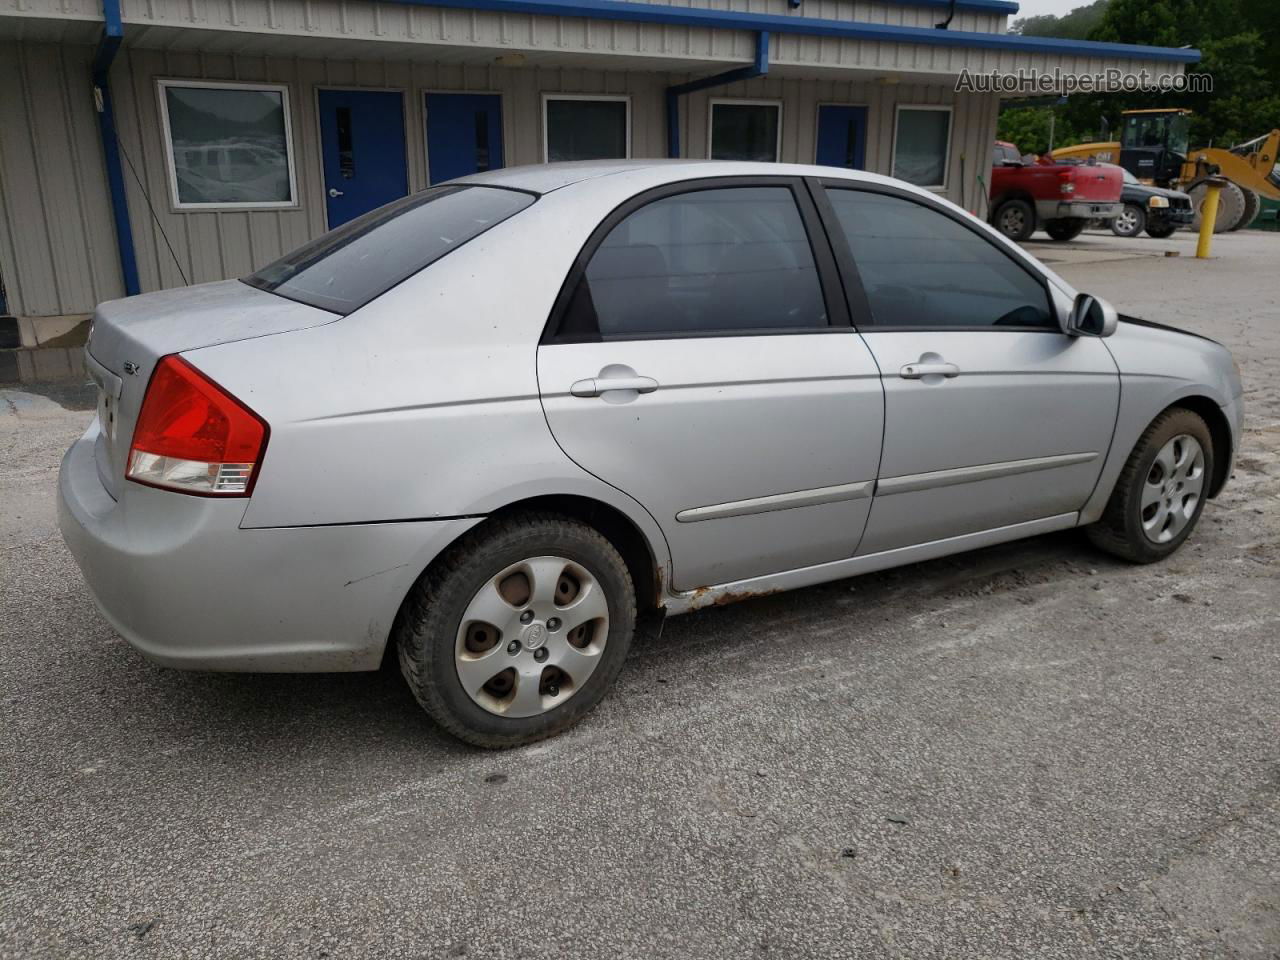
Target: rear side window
(704,262)
(347,267)
(920,268)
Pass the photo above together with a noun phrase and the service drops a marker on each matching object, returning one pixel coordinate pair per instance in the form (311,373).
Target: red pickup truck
(1060,197)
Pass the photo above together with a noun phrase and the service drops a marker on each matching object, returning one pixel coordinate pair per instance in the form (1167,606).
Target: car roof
(546,177)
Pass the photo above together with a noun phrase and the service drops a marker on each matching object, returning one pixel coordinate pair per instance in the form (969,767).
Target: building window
(921,145)
(229,145)
(745,130)
(586,128)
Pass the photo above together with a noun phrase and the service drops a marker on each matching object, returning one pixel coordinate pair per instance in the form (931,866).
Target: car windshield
(347,267)
(1128,177)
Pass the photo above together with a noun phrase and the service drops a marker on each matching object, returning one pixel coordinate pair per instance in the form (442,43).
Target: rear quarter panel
(424,404)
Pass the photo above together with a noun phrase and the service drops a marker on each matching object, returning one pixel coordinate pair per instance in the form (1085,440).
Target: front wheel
(1161,491)
(1064,229)
(1160,231)
(517,631)
(1131,221)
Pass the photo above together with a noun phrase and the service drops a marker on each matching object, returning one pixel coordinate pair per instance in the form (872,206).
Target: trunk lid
(130,336)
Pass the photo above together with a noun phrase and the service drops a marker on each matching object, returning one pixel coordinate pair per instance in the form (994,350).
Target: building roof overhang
(276,27)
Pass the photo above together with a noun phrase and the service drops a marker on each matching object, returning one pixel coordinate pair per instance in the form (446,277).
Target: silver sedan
(499,423)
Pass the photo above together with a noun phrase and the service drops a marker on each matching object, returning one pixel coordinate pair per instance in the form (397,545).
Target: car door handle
(594,386)
(917,371)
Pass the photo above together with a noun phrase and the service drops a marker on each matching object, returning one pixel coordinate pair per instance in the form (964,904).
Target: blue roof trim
(776,23)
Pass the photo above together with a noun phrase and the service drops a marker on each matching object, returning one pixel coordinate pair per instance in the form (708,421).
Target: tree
(1238,41)
(1028,128)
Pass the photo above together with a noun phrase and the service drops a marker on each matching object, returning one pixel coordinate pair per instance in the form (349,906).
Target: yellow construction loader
(1153,147)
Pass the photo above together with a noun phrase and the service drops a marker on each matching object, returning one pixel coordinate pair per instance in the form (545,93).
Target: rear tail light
(193,436)
(1065,183)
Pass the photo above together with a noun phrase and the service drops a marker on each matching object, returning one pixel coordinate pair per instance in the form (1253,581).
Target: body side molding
(779,501)
(984,471)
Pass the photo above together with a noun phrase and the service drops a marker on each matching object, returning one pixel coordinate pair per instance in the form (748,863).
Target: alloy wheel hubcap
(1172,489)
(531,636)
(1127,221)
(1012,221)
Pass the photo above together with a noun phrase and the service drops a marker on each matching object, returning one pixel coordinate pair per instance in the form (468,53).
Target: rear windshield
(347,267)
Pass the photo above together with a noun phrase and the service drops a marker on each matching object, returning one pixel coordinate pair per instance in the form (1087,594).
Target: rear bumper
(1077,210)
(177,577)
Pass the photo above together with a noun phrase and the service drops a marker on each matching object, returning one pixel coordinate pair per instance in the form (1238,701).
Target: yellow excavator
(1153,146)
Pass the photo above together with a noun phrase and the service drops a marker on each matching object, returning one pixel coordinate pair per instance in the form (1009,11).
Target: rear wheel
(1158,498)
(1065,229)
(1131,221)
(518,631)
(1016,219)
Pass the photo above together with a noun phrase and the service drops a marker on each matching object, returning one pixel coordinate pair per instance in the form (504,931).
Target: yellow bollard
(1208,214)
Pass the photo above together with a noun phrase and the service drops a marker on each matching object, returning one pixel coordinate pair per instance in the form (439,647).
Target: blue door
(464,134)
(842,137)
(362,142)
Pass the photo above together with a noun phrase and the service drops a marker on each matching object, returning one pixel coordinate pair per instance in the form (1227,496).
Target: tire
(1065,229)
(1122,528)
(1160,231)
(1230,206)
(1252,207)
(435,649)
(1131,222)
(1016,219)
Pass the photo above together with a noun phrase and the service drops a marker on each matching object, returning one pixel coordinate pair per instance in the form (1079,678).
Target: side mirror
(1091,317)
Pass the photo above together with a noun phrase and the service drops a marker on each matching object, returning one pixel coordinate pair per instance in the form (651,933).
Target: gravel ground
(1027,752)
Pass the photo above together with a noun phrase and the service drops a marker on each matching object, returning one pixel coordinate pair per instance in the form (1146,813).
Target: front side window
(920,145)
(920,268)
(587,128)
(362,259)
(701,263)
(228,145)
(745,131)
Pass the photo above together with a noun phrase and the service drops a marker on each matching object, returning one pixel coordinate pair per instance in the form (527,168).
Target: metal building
(151,143)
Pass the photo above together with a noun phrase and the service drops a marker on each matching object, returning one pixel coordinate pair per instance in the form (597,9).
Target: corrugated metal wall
(56,224)
(57,246)
(258,20)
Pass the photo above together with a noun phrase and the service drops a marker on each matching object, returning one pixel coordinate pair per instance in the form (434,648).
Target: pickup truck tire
(1131,222)
(1016,219)
(1065,229)
(1158,231)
